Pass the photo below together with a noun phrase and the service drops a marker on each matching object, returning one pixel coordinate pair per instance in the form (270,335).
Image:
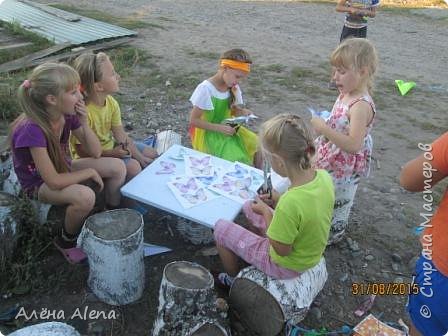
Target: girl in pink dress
(344,145)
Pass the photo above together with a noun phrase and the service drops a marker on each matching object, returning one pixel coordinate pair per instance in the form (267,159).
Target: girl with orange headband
(219,98)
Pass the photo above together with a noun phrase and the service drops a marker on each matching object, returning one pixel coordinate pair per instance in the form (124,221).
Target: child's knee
(133,168)
(85,198)
(118,169)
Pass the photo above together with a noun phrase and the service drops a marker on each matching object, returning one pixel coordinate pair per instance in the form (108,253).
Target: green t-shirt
(302,218)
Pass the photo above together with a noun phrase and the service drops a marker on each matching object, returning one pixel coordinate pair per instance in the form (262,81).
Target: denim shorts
(429,308)
(348,32)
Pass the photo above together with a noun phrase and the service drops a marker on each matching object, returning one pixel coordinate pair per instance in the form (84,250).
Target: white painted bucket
(194,233)
(113,242)
(47,329)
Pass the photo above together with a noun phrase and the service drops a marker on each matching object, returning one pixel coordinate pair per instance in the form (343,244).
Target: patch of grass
(125,22)
(15,29)
(202,54)
(9,107)
(299,72)
(164,18)
(23,272)
(277,68)
(418,12)
(151,79)
(429,126)
(9,82)
(397,135)
(386,87)
(182,85)
(298,76)
(126,58)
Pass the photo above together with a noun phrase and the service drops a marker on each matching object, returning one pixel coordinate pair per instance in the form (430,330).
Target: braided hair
(291,138)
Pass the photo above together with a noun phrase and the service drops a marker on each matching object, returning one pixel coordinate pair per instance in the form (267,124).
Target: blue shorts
(429,308)
(140,147)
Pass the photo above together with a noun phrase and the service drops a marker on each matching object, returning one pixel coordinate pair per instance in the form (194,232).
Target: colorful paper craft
(167,168)
(319,114)
(371,326)
(151,249)
(237,189)
(199,166)
(180,155)
(404,87)
(240,120)
(207,180)
(189,191)
(241,171)
(238,172)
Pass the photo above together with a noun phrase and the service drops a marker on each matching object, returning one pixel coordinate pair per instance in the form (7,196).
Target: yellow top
(101,120)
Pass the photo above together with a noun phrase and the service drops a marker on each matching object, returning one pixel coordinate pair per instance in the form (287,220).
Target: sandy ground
(283,37)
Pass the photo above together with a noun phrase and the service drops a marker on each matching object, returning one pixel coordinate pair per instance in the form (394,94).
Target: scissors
(267,184)
(236,122)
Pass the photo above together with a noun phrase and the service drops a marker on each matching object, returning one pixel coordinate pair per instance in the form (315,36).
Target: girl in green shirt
(291,238)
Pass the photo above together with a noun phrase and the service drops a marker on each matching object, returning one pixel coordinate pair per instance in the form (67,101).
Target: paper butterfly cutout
(167,168)
(204,162)
(239,171)
(207,180)
(256,178)
(319,114)
(180,155)
(185,188)
(244,194)
(230,184)
(197,197)
(201,171)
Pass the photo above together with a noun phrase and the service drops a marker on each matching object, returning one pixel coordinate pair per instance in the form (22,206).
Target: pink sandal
(73,255)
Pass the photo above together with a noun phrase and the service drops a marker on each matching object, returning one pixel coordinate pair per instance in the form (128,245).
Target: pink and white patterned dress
(337,162)
(345,168)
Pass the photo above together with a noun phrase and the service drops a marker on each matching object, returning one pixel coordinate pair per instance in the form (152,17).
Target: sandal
(223,280)
(73,255)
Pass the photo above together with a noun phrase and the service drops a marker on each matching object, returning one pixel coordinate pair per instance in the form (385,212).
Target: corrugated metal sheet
(56,28)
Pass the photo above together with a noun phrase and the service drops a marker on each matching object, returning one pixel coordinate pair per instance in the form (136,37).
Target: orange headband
(238,65)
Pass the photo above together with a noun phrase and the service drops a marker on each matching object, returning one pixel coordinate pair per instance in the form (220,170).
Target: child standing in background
(98,82)
(219,98)
(344,145)
(428,302)
(293,237)
(355,24)
(52,108)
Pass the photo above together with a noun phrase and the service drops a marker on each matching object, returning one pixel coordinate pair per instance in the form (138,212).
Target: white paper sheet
(189,191)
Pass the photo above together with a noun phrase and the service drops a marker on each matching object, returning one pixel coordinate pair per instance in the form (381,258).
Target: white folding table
(151,188)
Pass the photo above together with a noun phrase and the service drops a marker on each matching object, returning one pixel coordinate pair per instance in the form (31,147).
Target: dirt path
(290,43)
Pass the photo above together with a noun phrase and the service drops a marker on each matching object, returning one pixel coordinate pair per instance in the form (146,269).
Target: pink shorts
(251,247)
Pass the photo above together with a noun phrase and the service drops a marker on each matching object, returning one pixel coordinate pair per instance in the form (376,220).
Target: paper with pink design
(189,191)
(199,166)
(239,184)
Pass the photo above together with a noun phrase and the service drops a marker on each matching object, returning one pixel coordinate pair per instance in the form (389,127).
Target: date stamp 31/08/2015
(383,288)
